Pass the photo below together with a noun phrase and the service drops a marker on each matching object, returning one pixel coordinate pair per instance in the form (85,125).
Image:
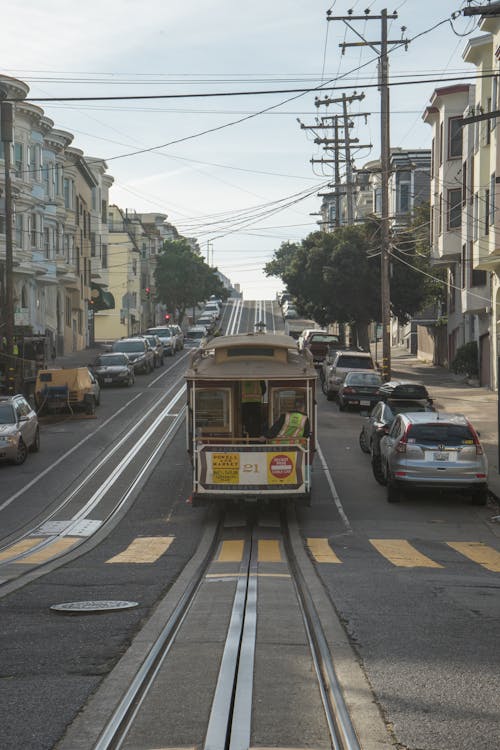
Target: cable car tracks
(240,660)
(97,498)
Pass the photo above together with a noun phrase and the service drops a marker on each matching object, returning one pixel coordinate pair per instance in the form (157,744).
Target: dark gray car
(113,369)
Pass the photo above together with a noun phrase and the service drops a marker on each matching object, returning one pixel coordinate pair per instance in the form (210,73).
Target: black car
(139,352)
(396,397)
(113,369)
(359,389)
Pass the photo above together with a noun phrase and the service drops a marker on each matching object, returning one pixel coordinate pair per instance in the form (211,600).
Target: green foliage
(336,276)
(183,279)
(466,361)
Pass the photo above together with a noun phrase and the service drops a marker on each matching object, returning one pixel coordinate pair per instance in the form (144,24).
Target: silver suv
(19,431)
(435,451)
(338,364)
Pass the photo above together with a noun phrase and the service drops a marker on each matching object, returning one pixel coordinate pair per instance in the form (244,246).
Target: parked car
(359,388)
(19,430)
(207,321)
(213,307)
(156,345)
(319,344)
(433,451)
(195,336)
(290,313)
(378,423)
(139,352)
(166,336)
(179,336)
(67,389)
(337,365)
(113,369)
(305,334)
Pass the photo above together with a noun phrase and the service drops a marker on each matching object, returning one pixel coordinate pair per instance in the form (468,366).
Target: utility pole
(383,73)
(6,123)
(346,125)
(337,145)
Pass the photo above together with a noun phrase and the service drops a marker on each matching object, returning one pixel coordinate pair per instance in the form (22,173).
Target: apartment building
(52,194)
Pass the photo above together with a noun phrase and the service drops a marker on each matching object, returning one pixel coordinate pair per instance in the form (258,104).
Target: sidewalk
(450,394)
(81,358)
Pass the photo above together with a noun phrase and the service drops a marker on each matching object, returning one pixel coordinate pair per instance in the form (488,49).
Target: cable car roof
(252,356)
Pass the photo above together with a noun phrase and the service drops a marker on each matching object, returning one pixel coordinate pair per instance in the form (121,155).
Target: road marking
(144,549)
(402,554)
(269,551)
(234,576)
(231,551)
(321,550)
(50,550)
(19,548)
(333,489)
(480,553)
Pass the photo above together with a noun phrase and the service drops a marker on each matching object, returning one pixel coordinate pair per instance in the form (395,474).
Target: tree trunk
(363,338)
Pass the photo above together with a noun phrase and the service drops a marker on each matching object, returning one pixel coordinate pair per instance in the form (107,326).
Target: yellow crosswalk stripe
(480,553)
(51,550)
(269,551)
(19,547)
(231,551)
(144,549)
(321,550)
(402,554)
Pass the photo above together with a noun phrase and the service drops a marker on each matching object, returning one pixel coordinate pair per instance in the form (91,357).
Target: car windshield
(114,359)
(361,378)
(152,340)
(354,362)
(161,332)
(7,415)
(440,434)
(128,346)
(324,338)
(195,334)
(405,407)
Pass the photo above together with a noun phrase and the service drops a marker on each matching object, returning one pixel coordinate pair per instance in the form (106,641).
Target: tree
(336,276)
(183,279)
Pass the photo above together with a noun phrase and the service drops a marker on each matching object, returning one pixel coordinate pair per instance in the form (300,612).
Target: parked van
(72,389)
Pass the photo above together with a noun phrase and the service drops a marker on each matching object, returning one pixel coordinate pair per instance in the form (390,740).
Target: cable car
(239,390)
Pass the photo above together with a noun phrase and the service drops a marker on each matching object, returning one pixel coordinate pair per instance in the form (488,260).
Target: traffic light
(167,317)
(148,292)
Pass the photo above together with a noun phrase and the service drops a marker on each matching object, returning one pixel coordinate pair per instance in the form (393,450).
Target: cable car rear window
(250,351)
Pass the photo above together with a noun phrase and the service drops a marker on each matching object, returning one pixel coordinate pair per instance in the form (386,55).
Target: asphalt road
(425,629)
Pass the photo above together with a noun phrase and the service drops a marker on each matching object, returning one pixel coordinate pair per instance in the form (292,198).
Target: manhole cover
(93,607)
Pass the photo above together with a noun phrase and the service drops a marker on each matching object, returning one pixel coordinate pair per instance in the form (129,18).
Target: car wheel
(377,470)
(22,452)
(394,494)
(479,497)
(90,408)
(362,442)
(35,447)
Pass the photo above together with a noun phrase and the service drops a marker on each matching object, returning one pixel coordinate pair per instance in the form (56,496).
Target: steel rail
(339,721)
(110,480)
(115,731)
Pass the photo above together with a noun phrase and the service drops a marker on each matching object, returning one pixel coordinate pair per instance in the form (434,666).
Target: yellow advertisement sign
(226,468)
(282,468)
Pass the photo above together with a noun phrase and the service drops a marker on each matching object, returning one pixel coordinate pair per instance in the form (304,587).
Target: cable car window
(250,351)
(288,400)
(212,409)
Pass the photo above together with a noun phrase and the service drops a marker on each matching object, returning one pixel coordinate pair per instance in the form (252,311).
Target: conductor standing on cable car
(251,400)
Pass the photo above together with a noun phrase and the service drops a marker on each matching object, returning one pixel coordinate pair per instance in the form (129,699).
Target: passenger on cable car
(290,426)
(252,392)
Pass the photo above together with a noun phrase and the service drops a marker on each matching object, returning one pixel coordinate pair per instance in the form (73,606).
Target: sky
(234,169)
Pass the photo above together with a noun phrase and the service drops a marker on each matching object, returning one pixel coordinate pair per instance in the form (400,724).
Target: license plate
(441,456)
(108,380)
(364,402)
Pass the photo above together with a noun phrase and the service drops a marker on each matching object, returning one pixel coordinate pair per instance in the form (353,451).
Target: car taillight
(479,447)
(401,446)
